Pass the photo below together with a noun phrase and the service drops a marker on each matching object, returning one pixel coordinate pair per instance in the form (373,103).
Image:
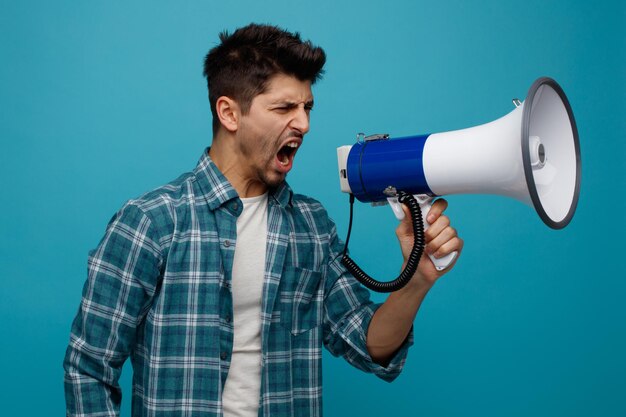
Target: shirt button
(235,206)
(227,243)
(223,355)
(228,318)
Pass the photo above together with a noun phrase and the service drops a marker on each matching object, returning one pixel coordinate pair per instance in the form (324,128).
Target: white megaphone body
(531,154)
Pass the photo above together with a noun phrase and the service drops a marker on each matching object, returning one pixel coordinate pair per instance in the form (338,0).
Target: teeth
(284,157)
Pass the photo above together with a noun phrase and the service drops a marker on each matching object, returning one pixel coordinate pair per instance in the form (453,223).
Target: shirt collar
(217,190)
(282,194)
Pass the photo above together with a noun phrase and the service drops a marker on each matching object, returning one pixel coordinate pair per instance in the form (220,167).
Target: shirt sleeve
(347,314)
(122,276)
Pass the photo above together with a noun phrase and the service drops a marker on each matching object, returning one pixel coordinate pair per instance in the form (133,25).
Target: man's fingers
(435,211)
(446,235)
(436,228)
(452,245)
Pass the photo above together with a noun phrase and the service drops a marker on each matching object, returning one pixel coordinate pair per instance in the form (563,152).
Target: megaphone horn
(531,154)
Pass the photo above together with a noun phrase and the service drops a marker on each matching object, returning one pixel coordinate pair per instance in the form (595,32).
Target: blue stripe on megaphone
(375,165)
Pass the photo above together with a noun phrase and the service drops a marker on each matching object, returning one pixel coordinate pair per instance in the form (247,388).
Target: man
(223,285)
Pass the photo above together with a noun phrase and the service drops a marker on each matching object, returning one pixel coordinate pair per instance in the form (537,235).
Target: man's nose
(300,120)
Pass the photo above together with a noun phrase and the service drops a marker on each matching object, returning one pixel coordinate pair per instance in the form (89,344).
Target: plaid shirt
(158,290)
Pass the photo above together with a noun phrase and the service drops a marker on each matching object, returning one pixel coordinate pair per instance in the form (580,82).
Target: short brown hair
(241,65)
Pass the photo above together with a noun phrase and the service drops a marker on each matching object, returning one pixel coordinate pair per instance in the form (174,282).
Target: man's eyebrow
(290,104)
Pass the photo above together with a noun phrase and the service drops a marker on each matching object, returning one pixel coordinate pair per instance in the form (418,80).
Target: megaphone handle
(425,205)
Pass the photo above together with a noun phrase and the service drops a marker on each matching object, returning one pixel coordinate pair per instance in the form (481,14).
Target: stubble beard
(271,181)
(266,172)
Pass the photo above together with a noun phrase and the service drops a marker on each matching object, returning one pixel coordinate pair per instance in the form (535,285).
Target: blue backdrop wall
(101,101)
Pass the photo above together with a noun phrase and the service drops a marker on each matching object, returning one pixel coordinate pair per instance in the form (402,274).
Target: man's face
(270,134)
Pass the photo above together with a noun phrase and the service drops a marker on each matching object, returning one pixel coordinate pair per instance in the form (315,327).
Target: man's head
(243,63)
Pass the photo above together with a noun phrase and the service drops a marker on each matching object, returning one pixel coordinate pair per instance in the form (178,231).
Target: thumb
(406,224)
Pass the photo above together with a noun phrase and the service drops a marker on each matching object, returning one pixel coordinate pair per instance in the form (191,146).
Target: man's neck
(227,161)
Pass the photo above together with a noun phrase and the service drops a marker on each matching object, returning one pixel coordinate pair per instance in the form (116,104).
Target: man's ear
(229,112)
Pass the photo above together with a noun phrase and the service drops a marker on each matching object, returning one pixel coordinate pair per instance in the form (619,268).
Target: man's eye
(289,107)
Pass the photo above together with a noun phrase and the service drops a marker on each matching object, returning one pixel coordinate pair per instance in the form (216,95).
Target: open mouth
(286,153)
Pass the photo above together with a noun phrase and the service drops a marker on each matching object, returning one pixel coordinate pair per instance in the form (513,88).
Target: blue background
(101,101)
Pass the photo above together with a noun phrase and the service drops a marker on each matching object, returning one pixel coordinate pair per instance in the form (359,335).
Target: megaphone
(532,154)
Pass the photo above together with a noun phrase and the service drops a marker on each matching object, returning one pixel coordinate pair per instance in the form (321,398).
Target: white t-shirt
(243,384)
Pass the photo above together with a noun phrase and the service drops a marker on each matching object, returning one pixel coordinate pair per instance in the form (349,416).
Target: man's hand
(441,239)
(392,321)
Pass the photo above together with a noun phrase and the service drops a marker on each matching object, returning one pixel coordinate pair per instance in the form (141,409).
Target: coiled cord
(414,256)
